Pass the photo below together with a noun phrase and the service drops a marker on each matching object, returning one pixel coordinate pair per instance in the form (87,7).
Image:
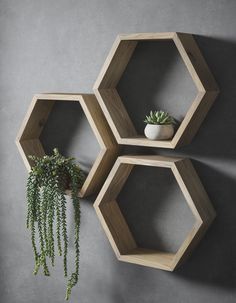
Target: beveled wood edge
(150,258)
(139,141)
(25,120)
(107,115)
(107,62)
(149,160)
(148,36)
(101,166)
(203,78)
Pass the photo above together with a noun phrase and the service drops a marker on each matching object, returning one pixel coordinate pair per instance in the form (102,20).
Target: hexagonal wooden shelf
(116,228)
(28,141)
(111,103)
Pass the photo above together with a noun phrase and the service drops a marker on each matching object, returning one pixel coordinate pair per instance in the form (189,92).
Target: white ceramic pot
(159,132)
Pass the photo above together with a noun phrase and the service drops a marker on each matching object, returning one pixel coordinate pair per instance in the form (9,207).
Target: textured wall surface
(60,45)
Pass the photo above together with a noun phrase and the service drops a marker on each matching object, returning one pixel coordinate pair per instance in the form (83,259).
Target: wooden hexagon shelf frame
(116,228)
(114,109)
(28,141)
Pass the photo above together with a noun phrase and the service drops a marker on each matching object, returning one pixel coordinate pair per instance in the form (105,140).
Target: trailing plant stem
(46,203)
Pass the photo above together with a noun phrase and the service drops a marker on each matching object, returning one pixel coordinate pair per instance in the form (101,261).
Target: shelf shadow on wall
(216,136)
(213,151)
(214,260)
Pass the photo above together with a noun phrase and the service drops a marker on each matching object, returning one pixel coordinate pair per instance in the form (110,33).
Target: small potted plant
(160,125)
(47,183)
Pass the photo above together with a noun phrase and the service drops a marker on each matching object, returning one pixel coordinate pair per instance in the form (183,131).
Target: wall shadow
(213,151)
(216,137)
(213,261)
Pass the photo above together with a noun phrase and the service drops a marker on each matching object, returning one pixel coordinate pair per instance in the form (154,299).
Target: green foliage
(49,178)
(159,118)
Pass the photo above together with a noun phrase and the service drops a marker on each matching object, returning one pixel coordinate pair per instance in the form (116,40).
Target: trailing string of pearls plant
(46,201)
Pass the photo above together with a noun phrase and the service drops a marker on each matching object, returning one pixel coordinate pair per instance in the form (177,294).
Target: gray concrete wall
(48,46)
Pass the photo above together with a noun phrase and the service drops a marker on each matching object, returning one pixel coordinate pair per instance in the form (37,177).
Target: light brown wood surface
(114,109)
(116,228)
(28,138)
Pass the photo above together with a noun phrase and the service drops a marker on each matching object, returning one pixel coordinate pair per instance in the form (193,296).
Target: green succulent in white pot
(160,125)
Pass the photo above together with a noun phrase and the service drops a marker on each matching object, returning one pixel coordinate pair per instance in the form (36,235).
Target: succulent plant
(159,118)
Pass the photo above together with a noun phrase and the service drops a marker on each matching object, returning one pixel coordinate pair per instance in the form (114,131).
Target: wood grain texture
(28,138)
(35,119)
(116,228)
(195,62)
(194,118)
(143,141)
(99,171)
(30,147)
(148,36)
(114,109)
(150,258)
(115,63)
(98,122)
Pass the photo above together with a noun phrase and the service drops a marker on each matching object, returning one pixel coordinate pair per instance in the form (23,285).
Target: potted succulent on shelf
(160,125)
(47,183)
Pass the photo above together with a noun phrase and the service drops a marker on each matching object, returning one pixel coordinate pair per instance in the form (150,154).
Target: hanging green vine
(46,202)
